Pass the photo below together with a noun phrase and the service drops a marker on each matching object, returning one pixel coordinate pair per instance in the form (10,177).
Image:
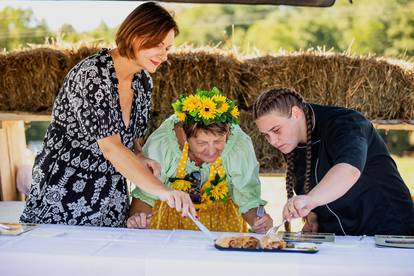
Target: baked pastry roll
(249,242)
(272,242)
(238,242)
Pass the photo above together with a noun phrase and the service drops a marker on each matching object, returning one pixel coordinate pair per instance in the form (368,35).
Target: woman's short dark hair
(149,22)
(191,130)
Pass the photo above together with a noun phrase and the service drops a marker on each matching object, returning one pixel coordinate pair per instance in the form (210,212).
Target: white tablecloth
(10,211)
(73,250)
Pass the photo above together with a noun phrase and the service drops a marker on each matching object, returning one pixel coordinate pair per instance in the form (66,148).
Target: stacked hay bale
(30,79)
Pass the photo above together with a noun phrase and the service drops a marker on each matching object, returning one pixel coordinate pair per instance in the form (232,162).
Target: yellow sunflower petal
(181,116)
(223,108)
(207,109)
(218,98)
(235,112)
(191,103)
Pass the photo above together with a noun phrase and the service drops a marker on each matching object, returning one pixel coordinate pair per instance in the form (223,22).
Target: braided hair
(282,100)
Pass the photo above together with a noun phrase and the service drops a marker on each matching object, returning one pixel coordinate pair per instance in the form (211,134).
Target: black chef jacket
(379,202)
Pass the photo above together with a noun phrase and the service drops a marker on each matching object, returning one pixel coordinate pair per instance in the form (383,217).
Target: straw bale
(76,55)
(186,71)
(378,89)
(381,90)
(30,79)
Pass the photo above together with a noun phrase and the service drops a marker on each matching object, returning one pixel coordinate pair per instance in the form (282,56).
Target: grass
(405,166)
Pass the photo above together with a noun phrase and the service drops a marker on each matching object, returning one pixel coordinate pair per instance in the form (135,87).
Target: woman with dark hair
(92,144)
(204,152)
(337,165)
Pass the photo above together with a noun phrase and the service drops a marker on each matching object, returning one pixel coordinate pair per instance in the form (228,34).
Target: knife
(202,227)
(260,211)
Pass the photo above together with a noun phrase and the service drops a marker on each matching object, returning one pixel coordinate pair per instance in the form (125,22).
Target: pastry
(237,242)
(272,242)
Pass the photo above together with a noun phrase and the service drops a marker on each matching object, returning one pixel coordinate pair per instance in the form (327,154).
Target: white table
(10,211)
(74,250)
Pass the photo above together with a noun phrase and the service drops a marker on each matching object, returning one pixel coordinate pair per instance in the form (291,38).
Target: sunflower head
(181,185)
(206,107)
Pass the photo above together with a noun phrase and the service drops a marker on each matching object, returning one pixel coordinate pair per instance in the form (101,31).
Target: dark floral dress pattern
(72,181)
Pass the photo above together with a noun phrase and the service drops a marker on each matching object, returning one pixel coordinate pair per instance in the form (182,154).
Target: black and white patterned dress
(72,181)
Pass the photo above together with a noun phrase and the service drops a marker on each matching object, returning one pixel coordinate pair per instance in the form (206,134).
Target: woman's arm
(133,168)
(152,165)
(337,181)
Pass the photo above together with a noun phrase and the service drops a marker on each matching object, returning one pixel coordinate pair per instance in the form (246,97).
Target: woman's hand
(139,220)
(311,223)
(298,207)
(261,225)
(179,200)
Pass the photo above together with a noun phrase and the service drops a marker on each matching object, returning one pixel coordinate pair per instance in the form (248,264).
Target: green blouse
(238,157)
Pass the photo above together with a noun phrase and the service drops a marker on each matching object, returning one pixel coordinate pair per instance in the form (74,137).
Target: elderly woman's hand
(261,225)
(139,220)
(311,223)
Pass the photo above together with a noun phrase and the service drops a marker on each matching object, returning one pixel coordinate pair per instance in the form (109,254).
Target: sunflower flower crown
(206,107)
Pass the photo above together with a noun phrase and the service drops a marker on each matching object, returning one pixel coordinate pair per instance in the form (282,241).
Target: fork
(272,231)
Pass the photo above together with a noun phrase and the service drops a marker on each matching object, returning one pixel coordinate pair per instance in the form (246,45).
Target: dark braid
(282,100)
(308,116)
(290,180)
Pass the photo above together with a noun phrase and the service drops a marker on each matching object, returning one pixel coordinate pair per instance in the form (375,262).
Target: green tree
(271,34)
(215,24)
(380,27)
(68,33)
(102,33)
(18,27)
(401,31)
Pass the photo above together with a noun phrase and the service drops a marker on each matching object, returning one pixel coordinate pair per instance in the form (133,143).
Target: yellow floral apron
(216,210)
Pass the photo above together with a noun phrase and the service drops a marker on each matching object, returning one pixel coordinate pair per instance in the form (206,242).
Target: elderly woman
(100,113)
(203,152)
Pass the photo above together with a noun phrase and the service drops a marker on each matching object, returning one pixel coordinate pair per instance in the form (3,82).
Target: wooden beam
(273,174)
(309,3)
(12,149)
(394,125)
(24,116)
(7,191)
